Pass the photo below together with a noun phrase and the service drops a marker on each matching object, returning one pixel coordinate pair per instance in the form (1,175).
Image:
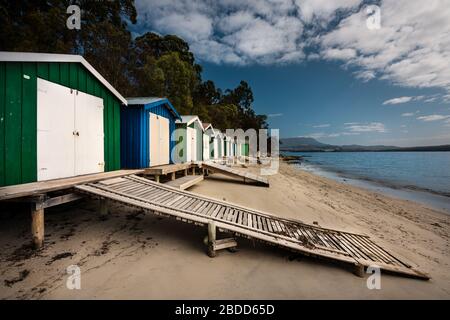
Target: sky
(340,71)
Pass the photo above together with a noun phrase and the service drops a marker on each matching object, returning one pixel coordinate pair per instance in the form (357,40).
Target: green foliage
(150,65)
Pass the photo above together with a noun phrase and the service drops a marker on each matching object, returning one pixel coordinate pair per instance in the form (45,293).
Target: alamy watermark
(374,280)
(373,21)
(73,281)
(234,147)
(74,20)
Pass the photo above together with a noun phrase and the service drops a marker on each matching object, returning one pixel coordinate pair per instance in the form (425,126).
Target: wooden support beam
(359,270)
(157,178)
(211,239)
(185,172)
(37,226)
(224,244)
(55,201)
(173,176)
(193,171)
(103,207)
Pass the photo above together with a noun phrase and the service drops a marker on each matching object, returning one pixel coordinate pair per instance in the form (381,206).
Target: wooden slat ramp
(223,169)
(357,250)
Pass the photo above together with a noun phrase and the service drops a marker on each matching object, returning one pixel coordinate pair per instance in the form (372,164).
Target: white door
(89,134)
(153,140)
(159,143)
(69,132)
(206,147)
(55,129)
(216,146)
(164,141)
(191,144)
(188,145)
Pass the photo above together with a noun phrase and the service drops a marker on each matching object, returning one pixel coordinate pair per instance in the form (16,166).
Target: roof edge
(9,56)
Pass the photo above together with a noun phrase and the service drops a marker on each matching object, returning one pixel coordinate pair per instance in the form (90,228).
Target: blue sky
(317,67)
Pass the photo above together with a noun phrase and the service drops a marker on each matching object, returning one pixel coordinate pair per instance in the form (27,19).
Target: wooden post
(359,270)
(103,207)
(193,171)
(157,178)
(37,227)
(185,172)
(211,239)
(173,176)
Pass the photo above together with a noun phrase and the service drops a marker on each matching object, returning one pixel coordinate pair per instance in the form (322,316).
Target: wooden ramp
(247,176)
(355,249)
(184,182)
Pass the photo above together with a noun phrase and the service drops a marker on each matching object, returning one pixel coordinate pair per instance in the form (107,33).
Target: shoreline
(435,199)
(136,255)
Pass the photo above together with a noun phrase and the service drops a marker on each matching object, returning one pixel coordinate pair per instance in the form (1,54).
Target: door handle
(76,133)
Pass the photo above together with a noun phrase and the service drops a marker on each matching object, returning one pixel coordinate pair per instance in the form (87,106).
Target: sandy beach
(132,255)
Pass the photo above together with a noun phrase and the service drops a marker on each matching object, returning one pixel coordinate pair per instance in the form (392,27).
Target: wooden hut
(189,139)
(208,137)
(147,134)
(58,118)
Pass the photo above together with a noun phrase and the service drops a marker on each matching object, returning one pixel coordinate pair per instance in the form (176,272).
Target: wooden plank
(169,168)
(185,182)
(235,173)
(224,244)
(35,188)
(55,201)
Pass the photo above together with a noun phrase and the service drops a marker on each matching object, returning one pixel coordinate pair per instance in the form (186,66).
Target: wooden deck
(246,176)
(168,168)
(185,182)
(41,187)
(354,249)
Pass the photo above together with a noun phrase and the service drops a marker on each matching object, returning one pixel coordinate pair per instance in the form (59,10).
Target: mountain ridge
(309,144)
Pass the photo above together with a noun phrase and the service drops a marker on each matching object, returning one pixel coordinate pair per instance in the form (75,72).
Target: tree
(150,65)
(170,77)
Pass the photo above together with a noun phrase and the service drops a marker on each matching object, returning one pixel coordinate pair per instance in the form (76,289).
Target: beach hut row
(59,117)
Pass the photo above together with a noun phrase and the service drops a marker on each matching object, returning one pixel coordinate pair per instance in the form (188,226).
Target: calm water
(419,171)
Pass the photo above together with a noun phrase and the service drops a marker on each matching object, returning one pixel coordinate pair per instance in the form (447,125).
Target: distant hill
(303,143)
(310,144)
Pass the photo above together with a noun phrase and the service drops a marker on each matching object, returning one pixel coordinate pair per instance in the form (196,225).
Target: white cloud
(403,100)
(273,115)
(325,125)
(398,100)
(433,117)
(322,9)
(339,54)
(319,135)
(365,76)
(408,114)
(412,47)
(367,127)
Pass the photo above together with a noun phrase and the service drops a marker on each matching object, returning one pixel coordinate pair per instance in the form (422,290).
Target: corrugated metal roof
(53,57)
(144,100)
(153,101)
